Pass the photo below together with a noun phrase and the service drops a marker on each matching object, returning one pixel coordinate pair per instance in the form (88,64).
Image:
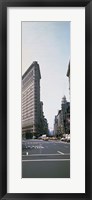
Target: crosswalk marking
(60,152)
(37,147)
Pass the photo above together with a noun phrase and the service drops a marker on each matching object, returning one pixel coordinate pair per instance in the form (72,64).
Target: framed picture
(45,104)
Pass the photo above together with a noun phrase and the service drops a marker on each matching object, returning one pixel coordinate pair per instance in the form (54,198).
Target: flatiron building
(31,100)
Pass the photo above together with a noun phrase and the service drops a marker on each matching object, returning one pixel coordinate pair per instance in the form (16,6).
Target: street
(45,159)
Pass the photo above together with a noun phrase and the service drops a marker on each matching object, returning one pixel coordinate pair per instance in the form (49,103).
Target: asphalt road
(45,159)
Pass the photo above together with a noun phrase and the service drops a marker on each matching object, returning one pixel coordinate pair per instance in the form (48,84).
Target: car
(34,137)
(40,138)
(68,139)
(45,139)
(62,139)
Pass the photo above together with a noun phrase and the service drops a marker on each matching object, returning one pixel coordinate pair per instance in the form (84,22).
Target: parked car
(45,139)
(62,139)
(68,139)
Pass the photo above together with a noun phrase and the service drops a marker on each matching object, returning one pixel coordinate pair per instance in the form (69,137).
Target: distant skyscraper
(62,119)
(31,100)
(65,115)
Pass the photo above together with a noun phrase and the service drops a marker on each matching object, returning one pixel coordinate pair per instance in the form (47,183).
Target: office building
(62,119)
(31,100)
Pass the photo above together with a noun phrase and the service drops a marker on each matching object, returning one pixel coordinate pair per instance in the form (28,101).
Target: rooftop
(35,63)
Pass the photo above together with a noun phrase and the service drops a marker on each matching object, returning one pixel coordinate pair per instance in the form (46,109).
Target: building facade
(68,74)
(57,124)
(62,119)
(65,116)
(33,121)
(31,100)
(43,121)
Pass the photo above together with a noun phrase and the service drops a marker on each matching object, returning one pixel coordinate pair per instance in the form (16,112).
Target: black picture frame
(3,96)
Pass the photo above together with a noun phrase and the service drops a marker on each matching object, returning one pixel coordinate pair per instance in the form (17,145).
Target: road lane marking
(42,160)
(37,147)
(60,152)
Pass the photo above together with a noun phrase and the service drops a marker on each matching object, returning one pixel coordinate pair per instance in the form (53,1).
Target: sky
(48,43)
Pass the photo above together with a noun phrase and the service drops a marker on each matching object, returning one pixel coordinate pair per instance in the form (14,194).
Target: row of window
(27,113)
(33,110)
(24,89)
(31,91)
(31,97)
(27,118)
(30,113)
(31,102)
(28,76)
(27,93)
(29,83)
(28,101)
(27,96)
(28,105)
